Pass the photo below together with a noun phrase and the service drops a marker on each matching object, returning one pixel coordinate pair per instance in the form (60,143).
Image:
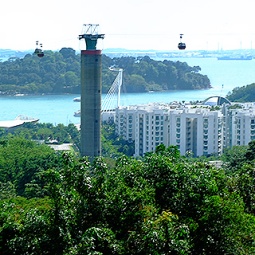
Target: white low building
(239,124)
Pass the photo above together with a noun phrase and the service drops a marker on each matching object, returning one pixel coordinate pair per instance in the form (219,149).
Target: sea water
(224,76)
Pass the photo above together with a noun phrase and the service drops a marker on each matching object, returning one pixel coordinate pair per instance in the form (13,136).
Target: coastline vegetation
(242,94)
(59,72)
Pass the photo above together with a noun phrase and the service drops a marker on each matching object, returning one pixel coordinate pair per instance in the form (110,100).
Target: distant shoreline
(56,94)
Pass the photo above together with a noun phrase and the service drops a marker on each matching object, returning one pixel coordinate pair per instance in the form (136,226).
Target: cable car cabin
(181,46)
(40,54)
(37,51)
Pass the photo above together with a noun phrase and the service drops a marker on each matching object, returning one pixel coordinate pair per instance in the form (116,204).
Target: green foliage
(234,158)
(114,146)
(54,73)
(24,226)
(242,94)
(144,74)
(160,234)
(7,190)
(160,204)
(226,228)
(59,72)
(47,131)
(22,160)
(245,184)
(250,153)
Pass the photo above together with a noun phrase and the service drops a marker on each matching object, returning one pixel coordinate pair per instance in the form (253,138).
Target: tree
(24,226)
(136,83)
(250,153)
(200,196)
(234,158)
(21,160)
(244,184)
(162,203)
(242,94)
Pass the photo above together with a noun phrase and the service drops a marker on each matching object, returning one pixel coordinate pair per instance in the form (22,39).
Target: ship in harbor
(235,57)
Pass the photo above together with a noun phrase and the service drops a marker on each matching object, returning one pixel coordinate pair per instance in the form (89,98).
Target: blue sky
(130,24)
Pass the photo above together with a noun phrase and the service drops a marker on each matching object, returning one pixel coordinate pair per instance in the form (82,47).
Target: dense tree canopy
(242,94)
(150,74)
(59,72)
(163,203)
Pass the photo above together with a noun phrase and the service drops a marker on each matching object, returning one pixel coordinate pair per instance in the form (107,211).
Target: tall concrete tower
(91,87)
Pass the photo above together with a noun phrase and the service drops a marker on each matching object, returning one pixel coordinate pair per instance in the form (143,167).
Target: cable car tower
(91,36)
(91,93)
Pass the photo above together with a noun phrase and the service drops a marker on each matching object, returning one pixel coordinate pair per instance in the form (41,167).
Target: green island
(59,72)
(242,94)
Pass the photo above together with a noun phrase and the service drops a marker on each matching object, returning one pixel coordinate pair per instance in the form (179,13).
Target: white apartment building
(239,125)
(201,130)
(196,130)
(146,125)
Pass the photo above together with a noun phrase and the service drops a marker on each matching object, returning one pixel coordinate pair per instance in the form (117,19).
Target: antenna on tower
(91,36)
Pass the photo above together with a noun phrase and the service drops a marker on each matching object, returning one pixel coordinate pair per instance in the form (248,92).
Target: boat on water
(26,118)
(235,58)
(77,114)
(77,99)
(18,121)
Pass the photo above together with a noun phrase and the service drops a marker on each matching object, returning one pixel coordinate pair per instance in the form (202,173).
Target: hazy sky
(130,24)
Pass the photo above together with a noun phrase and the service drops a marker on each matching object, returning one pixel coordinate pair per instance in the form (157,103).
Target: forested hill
(243,94)
(59,72)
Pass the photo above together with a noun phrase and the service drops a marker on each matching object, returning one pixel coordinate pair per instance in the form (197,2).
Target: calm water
(224,77)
